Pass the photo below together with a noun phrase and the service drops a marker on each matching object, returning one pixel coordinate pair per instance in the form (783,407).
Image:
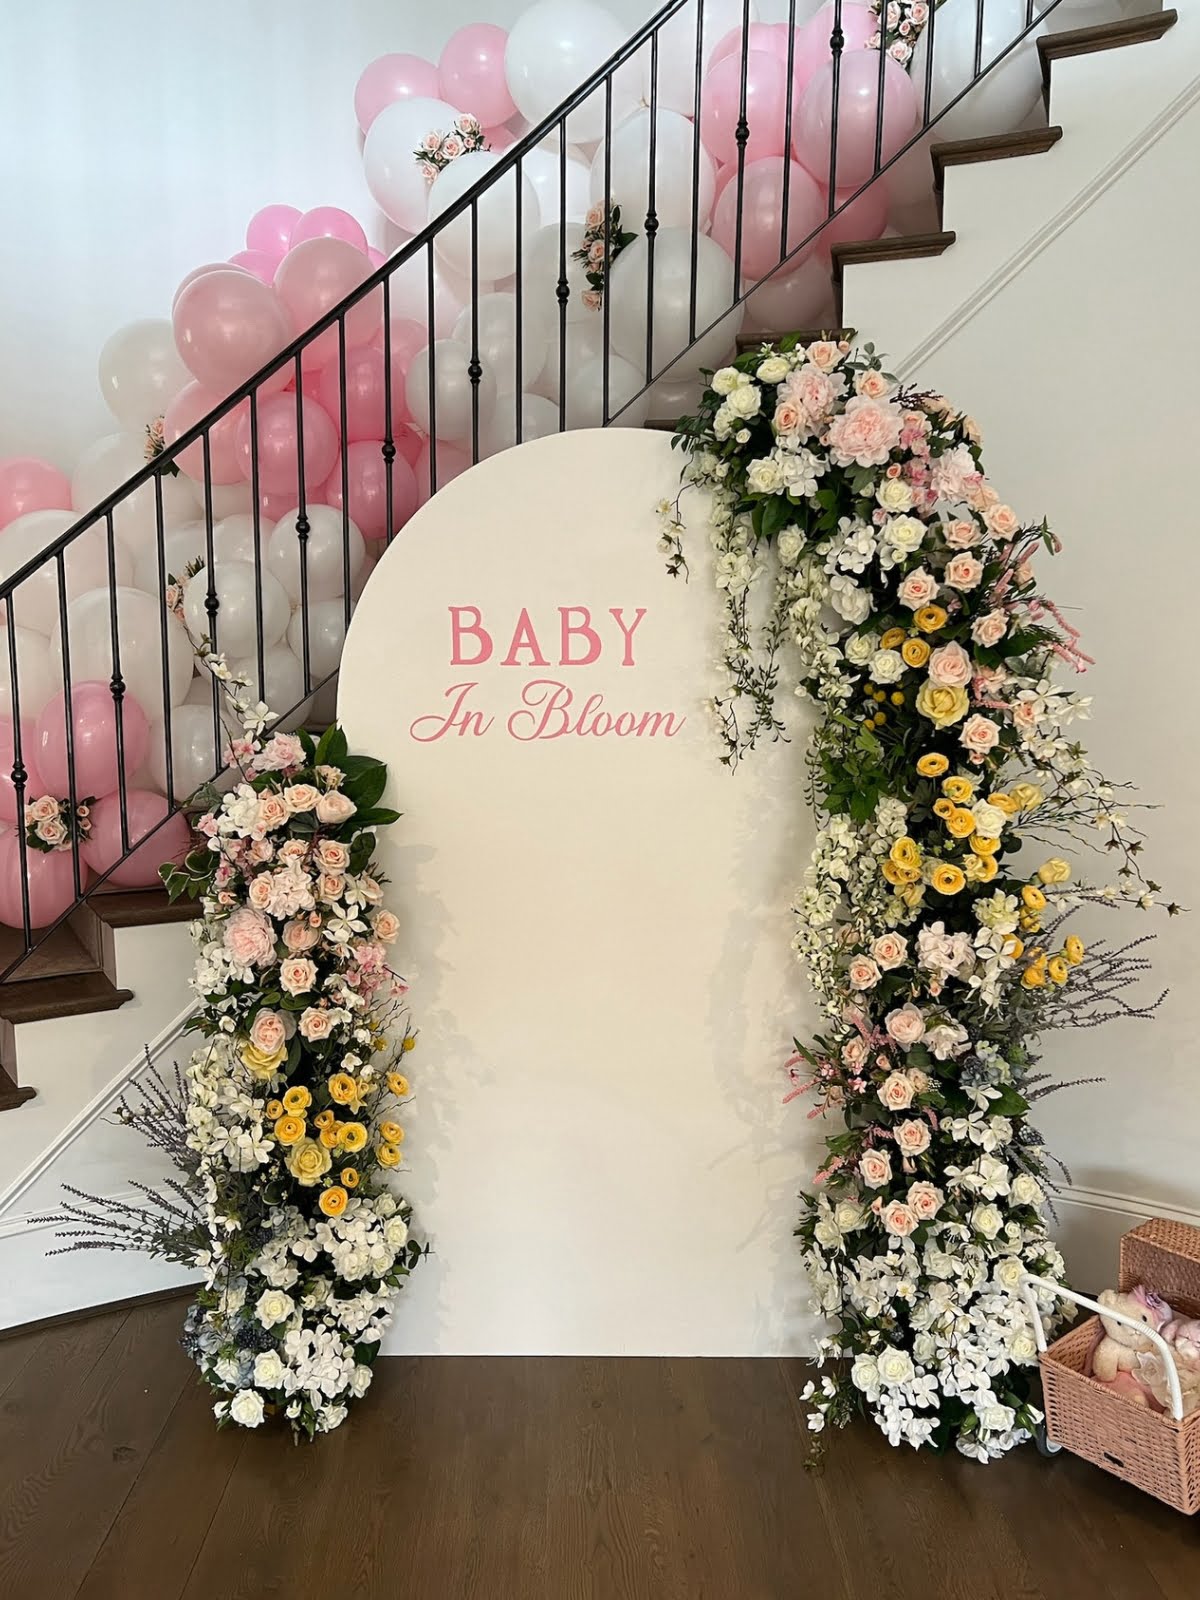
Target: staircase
(896,291)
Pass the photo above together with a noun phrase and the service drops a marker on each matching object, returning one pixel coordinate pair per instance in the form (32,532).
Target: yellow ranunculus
(1032,898)
(898,876)
(930,618)
(289,1130)
(1056,870)
(1073,949)
(273,1110)
(892,639)
(333,1201)
(960,824)
(912,894)
(983,846)
(947,879)
(1013,947)
(308,1162)
(397,1083)
(354,1136)
(1027,795)
(262,1064)
(1004,802)
(1034,976)
(1030,922)
(389,1155)
(1058,969)
(943,808)
(391,1132)
(932,765)
(980,869)
(942,703)
(331,1136)
(324,1119)
(297,1098)
(958,789)
(343,1088)
(905,852)
(915,653)
(349,1178)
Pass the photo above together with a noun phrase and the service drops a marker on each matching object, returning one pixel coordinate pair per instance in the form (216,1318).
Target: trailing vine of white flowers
(900,597)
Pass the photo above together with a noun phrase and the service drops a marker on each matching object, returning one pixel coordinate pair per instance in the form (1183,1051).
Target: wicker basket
(1146,1448)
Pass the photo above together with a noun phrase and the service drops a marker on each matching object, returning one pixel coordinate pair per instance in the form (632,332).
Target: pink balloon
(766,106)
(257,262)
(191,403)
(51,879)
(392,78)
(199,272)
(94,733)
(763,36)
(857,107)
(227,326)
(270,230)
(813,48)
(498,139)
(863,218)
(375,257)
(312,278)
(471,73)
(278,444)
(35,785)
(329,222)
(407,340)
(367,476)
(451,460)
(409,444)
(30,484)
(274,506)
(762,213)
(144,811)
(366,395)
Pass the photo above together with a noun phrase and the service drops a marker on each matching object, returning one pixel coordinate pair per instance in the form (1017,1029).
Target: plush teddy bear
(1120,1345)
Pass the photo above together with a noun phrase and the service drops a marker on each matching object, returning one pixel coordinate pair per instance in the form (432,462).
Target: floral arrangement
(51,825)
(286,1124)
(603,240)
(853,516)
(437,150)
(905,21)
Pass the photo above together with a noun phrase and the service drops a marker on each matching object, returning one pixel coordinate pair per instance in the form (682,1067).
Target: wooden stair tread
(905,247)
(141,908)
(58,955)
(73,995)
(991,147)
(1103,36)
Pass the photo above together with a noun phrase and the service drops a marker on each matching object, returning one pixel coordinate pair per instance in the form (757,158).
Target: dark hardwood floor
(527,1479)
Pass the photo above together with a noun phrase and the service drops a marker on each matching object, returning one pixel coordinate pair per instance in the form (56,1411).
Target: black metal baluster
(212,603)
(165,623)
(605,312)
(256,513)
(564,288)
(345,471)
(72,795)
(742,138)
(837,42)
(881,89)
(699,95)
(651,209)
(787,130)
(388,451)
(303,529)
(519,305)
(20,774)
(474,368)
(431,293)
(116,684)
(929,68)
(978,36)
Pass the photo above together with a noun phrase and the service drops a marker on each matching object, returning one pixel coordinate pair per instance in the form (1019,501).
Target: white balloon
(195,750)
(585,394)
(539,418)
(282,683)
(1007,94)
(543,168)
(389,157)
(229,498)
(107,464)
(85,560)
(140,371)
(241,602)
(800,302)
(183,544)
(494,235)
(39,675)
(584,341)
(629,171)
(496,332)
(677,49)
(326,554)
(234,538)
(139,633)
(104,466)
(629,283)
(550,249)
(409,297)
(672,397)
(449,413)
(555,46)
(326,635)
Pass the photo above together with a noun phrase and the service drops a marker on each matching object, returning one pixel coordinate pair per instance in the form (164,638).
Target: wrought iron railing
(614,402)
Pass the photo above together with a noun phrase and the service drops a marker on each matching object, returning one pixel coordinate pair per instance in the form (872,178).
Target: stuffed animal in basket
(1183,1336)
(1120,1345)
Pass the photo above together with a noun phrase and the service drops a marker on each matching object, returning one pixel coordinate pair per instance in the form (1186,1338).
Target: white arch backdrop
(597,920)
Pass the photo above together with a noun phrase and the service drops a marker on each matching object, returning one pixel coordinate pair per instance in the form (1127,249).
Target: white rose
(848,1215)
(895,1368)
(727,380)
(1026,1190)
(360,1381)
(924,1348)
(395,1232)
(246,1408)
(1009,1272)
(848,600)
(904,534)
(268,1369)
(764,476)
(789,544)
(859,649)
(827,1234)
(1023,1348)
(274,1306)
(989,820)
(773,370)
(887,666)
(893,494)
(864,1375)
(745,401)
(987,1220)
(996,1419)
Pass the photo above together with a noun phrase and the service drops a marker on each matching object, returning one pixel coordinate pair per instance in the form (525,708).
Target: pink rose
(988,681)
(979,735)
(926,1200)
(369,889)
(912,1136)
(297,974)
(52,832)
(895,1092)
(249,938)
(272,813)
(875,1167)
(865,433)
(280,751)
(316,1024)
(918,589)
(259,892)
(854,1051)
(964,571)
(990,628)
(41,810)
(292,851)
(823,354)
(298,935)
(385,925)
(1002,521)
(962,534)
(864,974)
(331,777)
(301,797)
(951,666)
(334,808)
(890,950)
(918,1079)
(906,1025)
(899,1219)
(268,1032)
(332,855)
(330,887)
(873,384)
(787,417)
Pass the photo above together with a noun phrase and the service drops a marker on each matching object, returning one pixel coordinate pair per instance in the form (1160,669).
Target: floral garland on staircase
(854,516)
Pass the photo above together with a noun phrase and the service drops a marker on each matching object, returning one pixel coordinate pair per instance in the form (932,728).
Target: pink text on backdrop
(549,709)
(579,642)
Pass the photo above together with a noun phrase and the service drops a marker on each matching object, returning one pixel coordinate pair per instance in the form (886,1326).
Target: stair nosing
(1143,29)
(991,147)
